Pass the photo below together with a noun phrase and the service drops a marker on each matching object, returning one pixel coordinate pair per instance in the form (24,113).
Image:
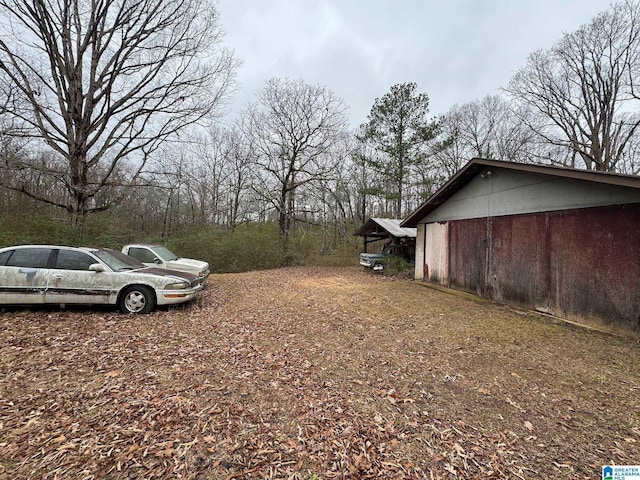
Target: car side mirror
(96,267)
(157,260)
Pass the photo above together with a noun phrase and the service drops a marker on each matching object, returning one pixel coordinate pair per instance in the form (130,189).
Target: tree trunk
(78,217)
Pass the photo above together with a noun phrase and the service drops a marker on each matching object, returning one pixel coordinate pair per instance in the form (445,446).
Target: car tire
(137,299)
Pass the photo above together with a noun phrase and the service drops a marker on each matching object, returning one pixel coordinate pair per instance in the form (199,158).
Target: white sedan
(160,256)
(39,274)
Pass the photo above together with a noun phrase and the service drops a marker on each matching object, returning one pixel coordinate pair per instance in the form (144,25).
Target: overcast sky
(456,51)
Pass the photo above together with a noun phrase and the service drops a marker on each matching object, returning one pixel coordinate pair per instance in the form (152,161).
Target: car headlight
(177,286)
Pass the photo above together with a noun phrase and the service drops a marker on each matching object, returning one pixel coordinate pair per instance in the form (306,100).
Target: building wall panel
(582,264)
(519,260)
(420,252)
(436,257)
(595,264)
(505,192)
(468,255)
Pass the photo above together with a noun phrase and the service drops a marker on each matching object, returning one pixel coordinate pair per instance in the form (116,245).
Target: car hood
(188,263)
(165,272)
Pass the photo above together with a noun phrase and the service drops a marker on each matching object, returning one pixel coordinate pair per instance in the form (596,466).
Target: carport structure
(402,240)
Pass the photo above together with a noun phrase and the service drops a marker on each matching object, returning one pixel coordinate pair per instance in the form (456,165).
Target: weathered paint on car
(95,280)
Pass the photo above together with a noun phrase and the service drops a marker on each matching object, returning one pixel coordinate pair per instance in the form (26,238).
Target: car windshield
(165,254)
(117,261)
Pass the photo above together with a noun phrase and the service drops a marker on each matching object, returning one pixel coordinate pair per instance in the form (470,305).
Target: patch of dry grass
(313,373)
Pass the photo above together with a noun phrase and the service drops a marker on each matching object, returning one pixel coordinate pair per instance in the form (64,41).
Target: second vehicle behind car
(160,256)
(48,274)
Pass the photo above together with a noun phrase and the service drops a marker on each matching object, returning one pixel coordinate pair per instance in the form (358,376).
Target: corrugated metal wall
(582,264)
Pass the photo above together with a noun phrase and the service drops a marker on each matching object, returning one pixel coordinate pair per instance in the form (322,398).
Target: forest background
(112,130)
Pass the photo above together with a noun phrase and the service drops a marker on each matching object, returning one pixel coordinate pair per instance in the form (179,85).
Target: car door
(24,275)
(71,281)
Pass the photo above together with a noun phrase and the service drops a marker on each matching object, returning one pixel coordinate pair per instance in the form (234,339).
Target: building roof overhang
(383,227)
(477,165)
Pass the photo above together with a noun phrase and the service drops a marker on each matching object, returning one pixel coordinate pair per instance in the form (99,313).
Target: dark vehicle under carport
(390,240)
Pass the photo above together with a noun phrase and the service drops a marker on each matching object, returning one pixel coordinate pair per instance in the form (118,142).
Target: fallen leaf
(167,452)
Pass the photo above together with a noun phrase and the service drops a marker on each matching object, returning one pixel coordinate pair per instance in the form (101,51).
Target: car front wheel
(137,299)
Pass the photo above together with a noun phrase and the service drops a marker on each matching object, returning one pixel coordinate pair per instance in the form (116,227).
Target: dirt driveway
(314,373)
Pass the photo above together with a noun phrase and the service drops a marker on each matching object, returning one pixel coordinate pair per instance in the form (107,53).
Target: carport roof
(477,165)
(390,225)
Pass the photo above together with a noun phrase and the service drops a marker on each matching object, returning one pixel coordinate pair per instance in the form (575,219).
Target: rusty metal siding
(519,270)
(436,258)
(595,264)
(582,264)
(468,255)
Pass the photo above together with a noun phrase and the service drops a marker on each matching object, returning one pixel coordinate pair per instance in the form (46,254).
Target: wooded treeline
(115,107)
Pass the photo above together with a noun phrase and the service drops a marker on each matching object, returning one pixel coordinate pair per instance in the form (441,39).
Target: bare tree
(105,82)
(238,164)
(485,128)
(583,88)
(292,127)
(206,176)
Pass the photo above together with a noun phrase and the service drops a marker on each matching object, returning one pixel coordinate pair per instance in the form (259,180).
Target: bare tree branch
(583,88)
(105,82)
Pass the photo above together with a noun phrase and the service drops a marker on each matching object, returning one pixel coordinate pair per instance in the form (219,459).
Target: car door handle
(58,275)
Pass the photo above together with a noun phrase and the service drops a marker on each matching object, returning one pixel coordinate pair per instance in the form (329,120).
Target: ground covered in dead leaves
(313,373)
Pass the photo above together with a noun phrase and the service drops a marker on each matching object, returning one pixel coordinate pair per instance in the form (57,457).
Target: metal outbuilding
(559,240)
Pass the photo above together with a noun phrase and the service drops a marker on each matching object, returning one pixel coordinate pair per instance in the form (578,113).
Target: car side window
(143,255)
(29,258)
(4,256)
(73,260)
